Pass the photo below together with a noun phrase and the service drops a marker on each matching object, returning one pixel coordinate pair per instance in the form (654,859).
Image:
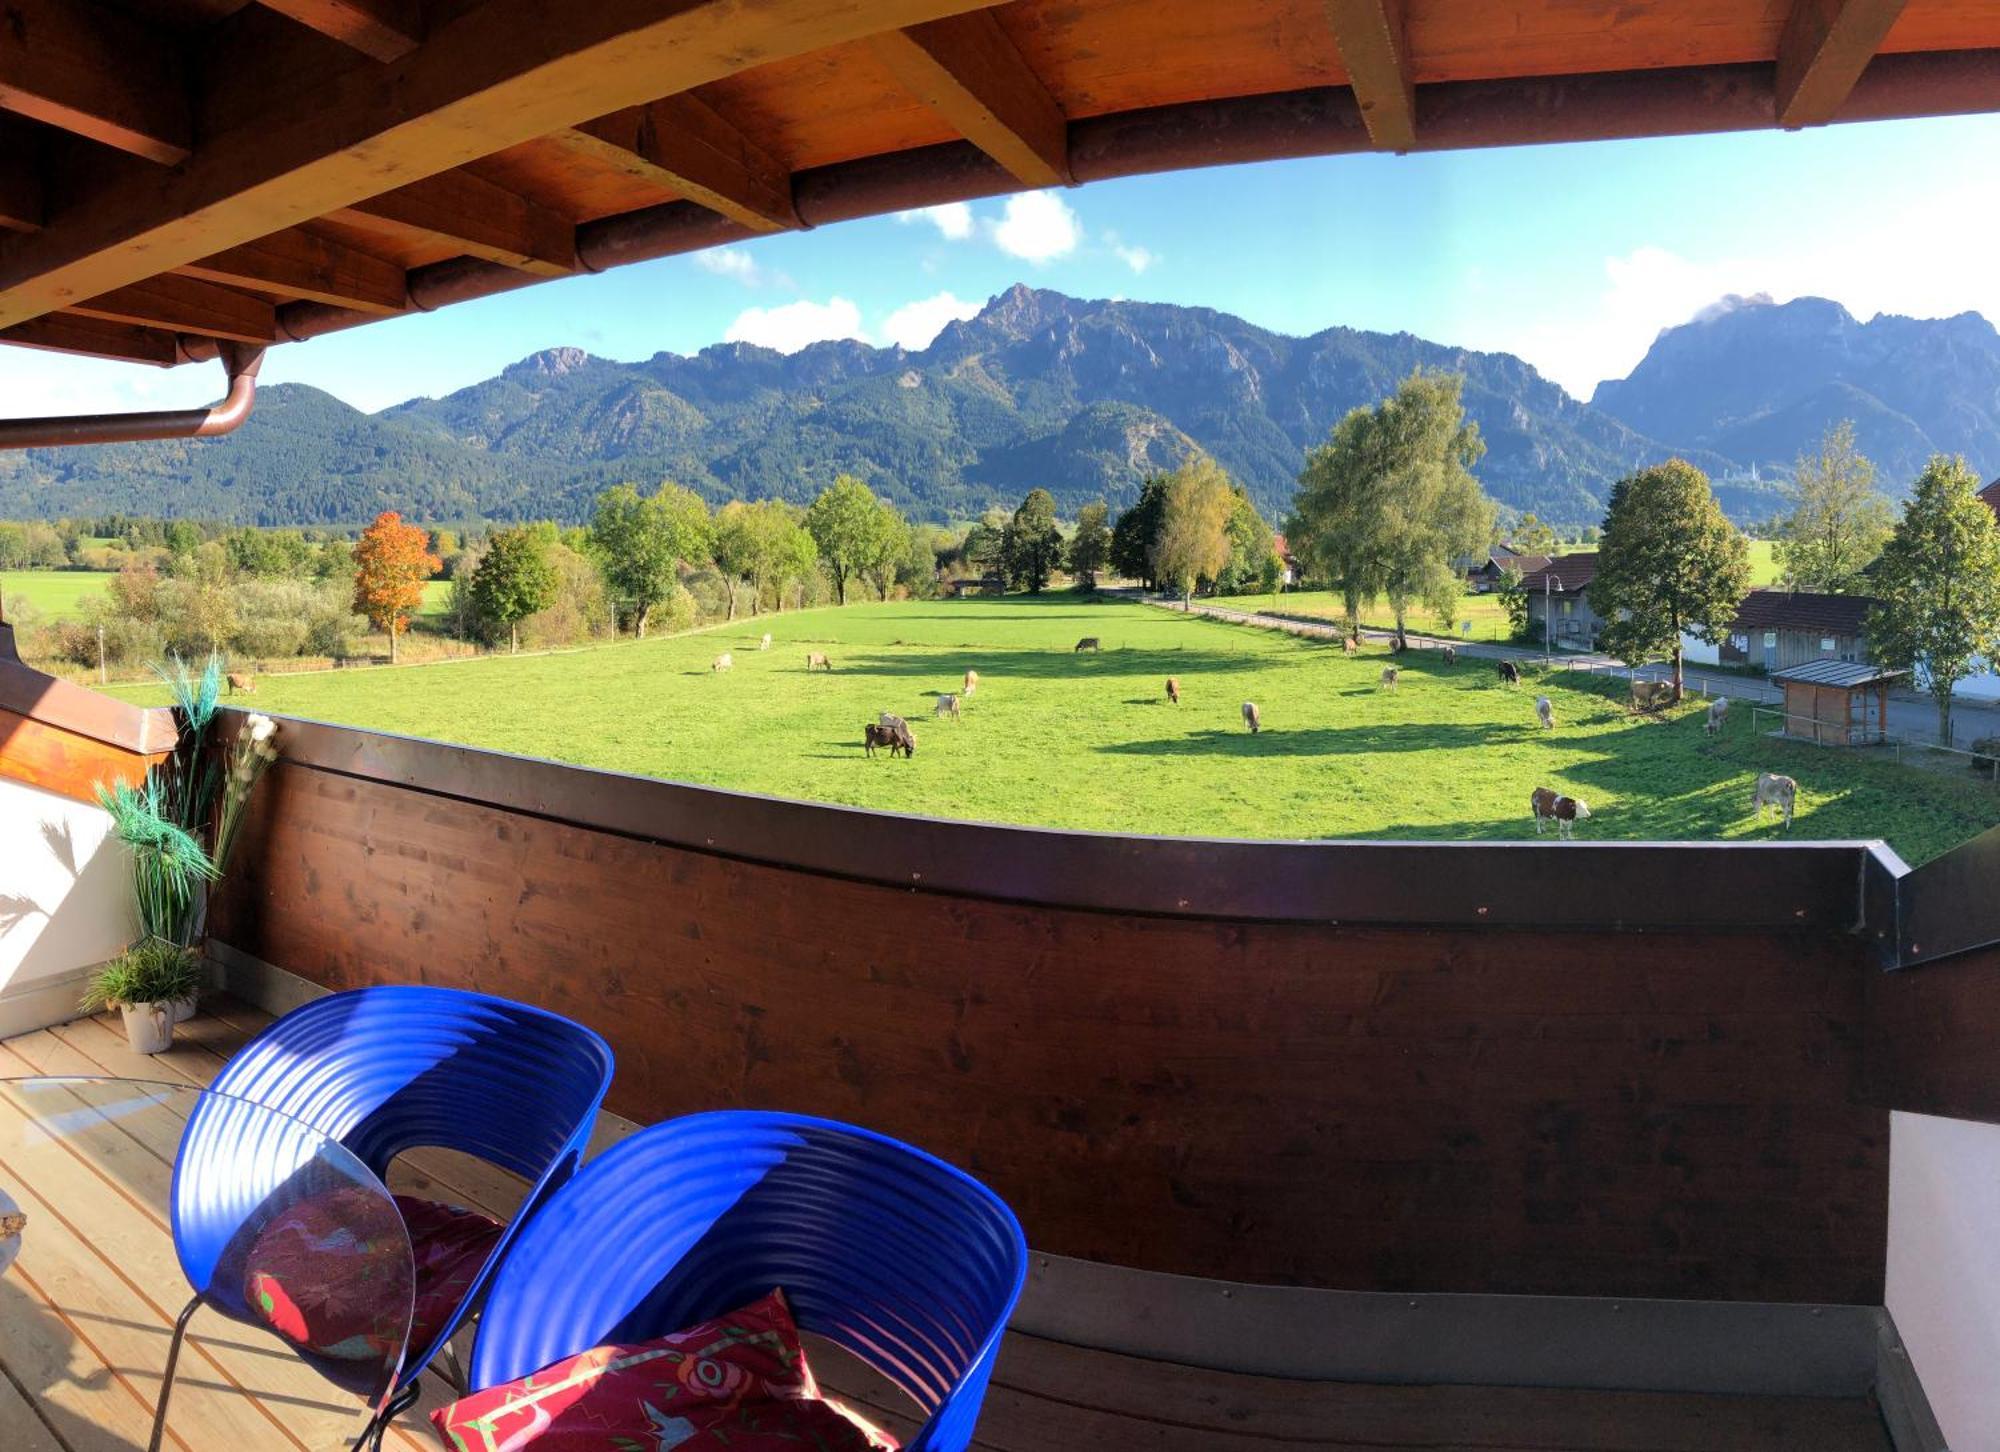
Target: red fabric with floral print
(309,1276)
(739,1382)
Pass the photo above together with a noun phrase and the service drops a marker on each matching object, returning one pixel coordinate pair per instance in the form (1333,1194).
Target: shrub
(154,971)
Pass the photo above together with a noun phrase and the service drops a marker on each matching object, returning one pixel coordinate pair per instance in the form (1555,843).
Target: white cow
(1545,712)
(765,643)
(722,662)
(1775,791)
(971,683)
(1718,715)
(1252,718)
(1390,675)
(947,705)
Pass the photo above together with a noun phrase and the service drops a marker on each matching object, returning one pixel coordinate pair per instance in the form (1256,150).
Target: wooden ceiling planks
(350,161)
(498,74)
(95,71)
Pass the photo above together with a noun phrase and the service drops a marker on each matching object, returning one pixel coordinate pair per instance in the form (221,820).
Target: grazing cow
(1252,718)
(1390,675)
(1510,674)
(897,739)
(722,662)
(1652,695)
(242,681)
(765,643)
(946,705)
(1545,712)
(1349,645)
(815,658)
(1450,654)
(1174,689)
(1089,642)
(1775,791)
(1565,812)
(971,683)
(1718,715)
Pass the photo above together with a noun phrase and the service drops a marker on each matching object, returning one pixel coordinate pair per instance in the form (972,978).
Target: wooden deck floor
(88,1307)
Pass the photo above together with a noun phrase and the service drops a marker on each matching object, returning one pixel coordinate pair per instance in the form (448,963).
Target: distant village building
(1778,629)
(1485,574)
(1288,573)
(1562,588)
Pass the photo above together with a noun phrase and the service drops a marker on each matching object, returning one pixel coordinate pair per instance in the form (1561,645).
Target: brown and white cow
(1775,791)
(1550,806)
(1450,654)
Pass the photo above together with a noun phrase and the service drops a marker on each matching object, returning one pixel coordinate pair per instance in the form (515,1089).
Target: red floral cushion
(320,1283)
(739,1382)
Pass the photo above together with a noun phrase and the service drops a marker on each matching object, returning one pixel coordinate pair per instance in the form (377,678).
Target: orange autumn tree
(391,562)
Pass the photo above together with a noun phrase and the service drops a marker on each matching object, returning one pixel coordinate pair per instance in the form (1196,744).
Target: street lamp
(1550,583)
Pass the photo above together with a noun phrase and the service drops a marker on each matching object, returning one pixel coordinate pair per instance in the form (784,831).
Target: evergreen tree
(1132,537)
(1938,584)
(1670,564)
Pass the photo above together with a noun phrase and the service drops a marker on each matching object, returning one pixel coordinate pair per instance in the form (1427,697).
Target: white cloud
(915,325)
(1133,256)
(792,326)
(952,219)
(36,383)
(1036,227)
(730,262)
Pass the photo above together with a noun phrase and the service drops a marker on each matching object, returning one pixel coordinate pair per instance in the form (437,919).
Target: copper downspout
(242,362)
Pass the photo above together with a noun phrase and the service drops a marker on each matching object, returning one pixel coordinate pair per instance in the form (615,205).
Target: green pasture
(1088,740)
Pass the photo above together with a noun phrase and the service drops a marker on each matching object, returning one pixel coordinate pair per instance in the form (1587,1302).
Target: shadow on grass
(1275,740)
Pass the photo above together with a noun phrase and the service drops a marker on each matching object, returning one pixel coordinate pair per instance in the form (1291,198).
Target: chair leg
(167,1377)
(378,1425)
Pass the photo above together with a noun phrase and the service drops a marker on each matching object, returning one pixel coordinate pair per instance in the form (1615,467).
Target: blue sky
(1572,256)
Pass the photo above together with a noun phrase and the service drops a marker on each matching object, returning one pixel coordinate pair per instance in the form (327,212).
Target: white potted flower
(144,983)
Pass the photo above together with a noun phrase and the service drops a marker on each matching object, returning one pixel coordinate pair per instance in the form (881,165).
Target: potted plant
(144,983)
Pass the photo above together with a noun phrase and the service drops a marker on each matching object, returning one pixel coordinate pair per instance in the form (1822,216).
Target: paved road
(1911,715)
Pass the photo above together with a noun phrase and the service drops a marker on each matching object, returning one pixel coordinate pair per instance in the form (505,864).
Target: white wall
(1944,1268)
(1696,651)
(65,903)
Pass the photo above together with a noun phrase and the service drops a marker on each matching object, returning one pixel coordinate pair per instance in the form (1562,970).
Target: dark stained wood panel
(1508,1111)
(1931,1038)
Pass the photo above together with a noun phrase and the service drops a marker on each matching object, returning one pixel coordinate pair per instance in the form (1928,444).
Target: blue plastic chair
(384,1070)
(910,1264)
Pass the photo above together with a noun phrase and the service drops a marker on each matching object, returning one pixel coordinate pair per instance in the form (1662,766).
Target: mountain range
(1082,397)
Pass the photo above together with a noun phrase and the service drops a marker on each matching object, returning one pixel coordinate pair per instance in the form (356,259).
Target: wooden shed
(1837,702)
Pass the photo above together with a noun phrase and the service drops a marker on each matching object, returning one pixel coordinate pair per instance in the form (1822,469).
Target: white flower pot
(184,1008)
(149,1027)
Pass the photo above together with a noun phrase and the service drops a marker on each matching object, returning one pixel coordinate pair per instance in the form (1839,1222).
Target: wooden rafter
(685,146)
(1825,46)
(385,29)
(968,71)
(186,305)
(1373,38)
(493,76)
(69,333)
(97,72)
(477,217)
(304,264)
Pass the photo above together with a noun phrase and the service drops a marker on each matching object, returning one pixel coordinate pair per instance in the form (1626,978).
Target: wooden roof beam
(186,305)
(1373,39)
(70,333)
(305,265)
(21,204)
(1825,47)
(477,217)
(683,145)
(97,72)
(386,30)
(968,71)
(490,77)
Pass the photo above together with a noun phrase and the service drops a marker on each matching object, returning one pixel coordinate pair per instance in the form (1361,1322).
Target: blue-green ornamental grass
(1057,738)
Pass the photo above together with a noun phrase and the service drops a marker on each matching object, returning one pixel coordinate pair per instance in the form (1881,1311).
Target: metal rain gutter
(240,360)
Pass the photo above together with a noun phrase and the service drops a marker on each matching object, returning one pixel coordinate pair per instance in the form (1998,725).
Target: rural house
(1561,586)
(1778,629)
(1485,575)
